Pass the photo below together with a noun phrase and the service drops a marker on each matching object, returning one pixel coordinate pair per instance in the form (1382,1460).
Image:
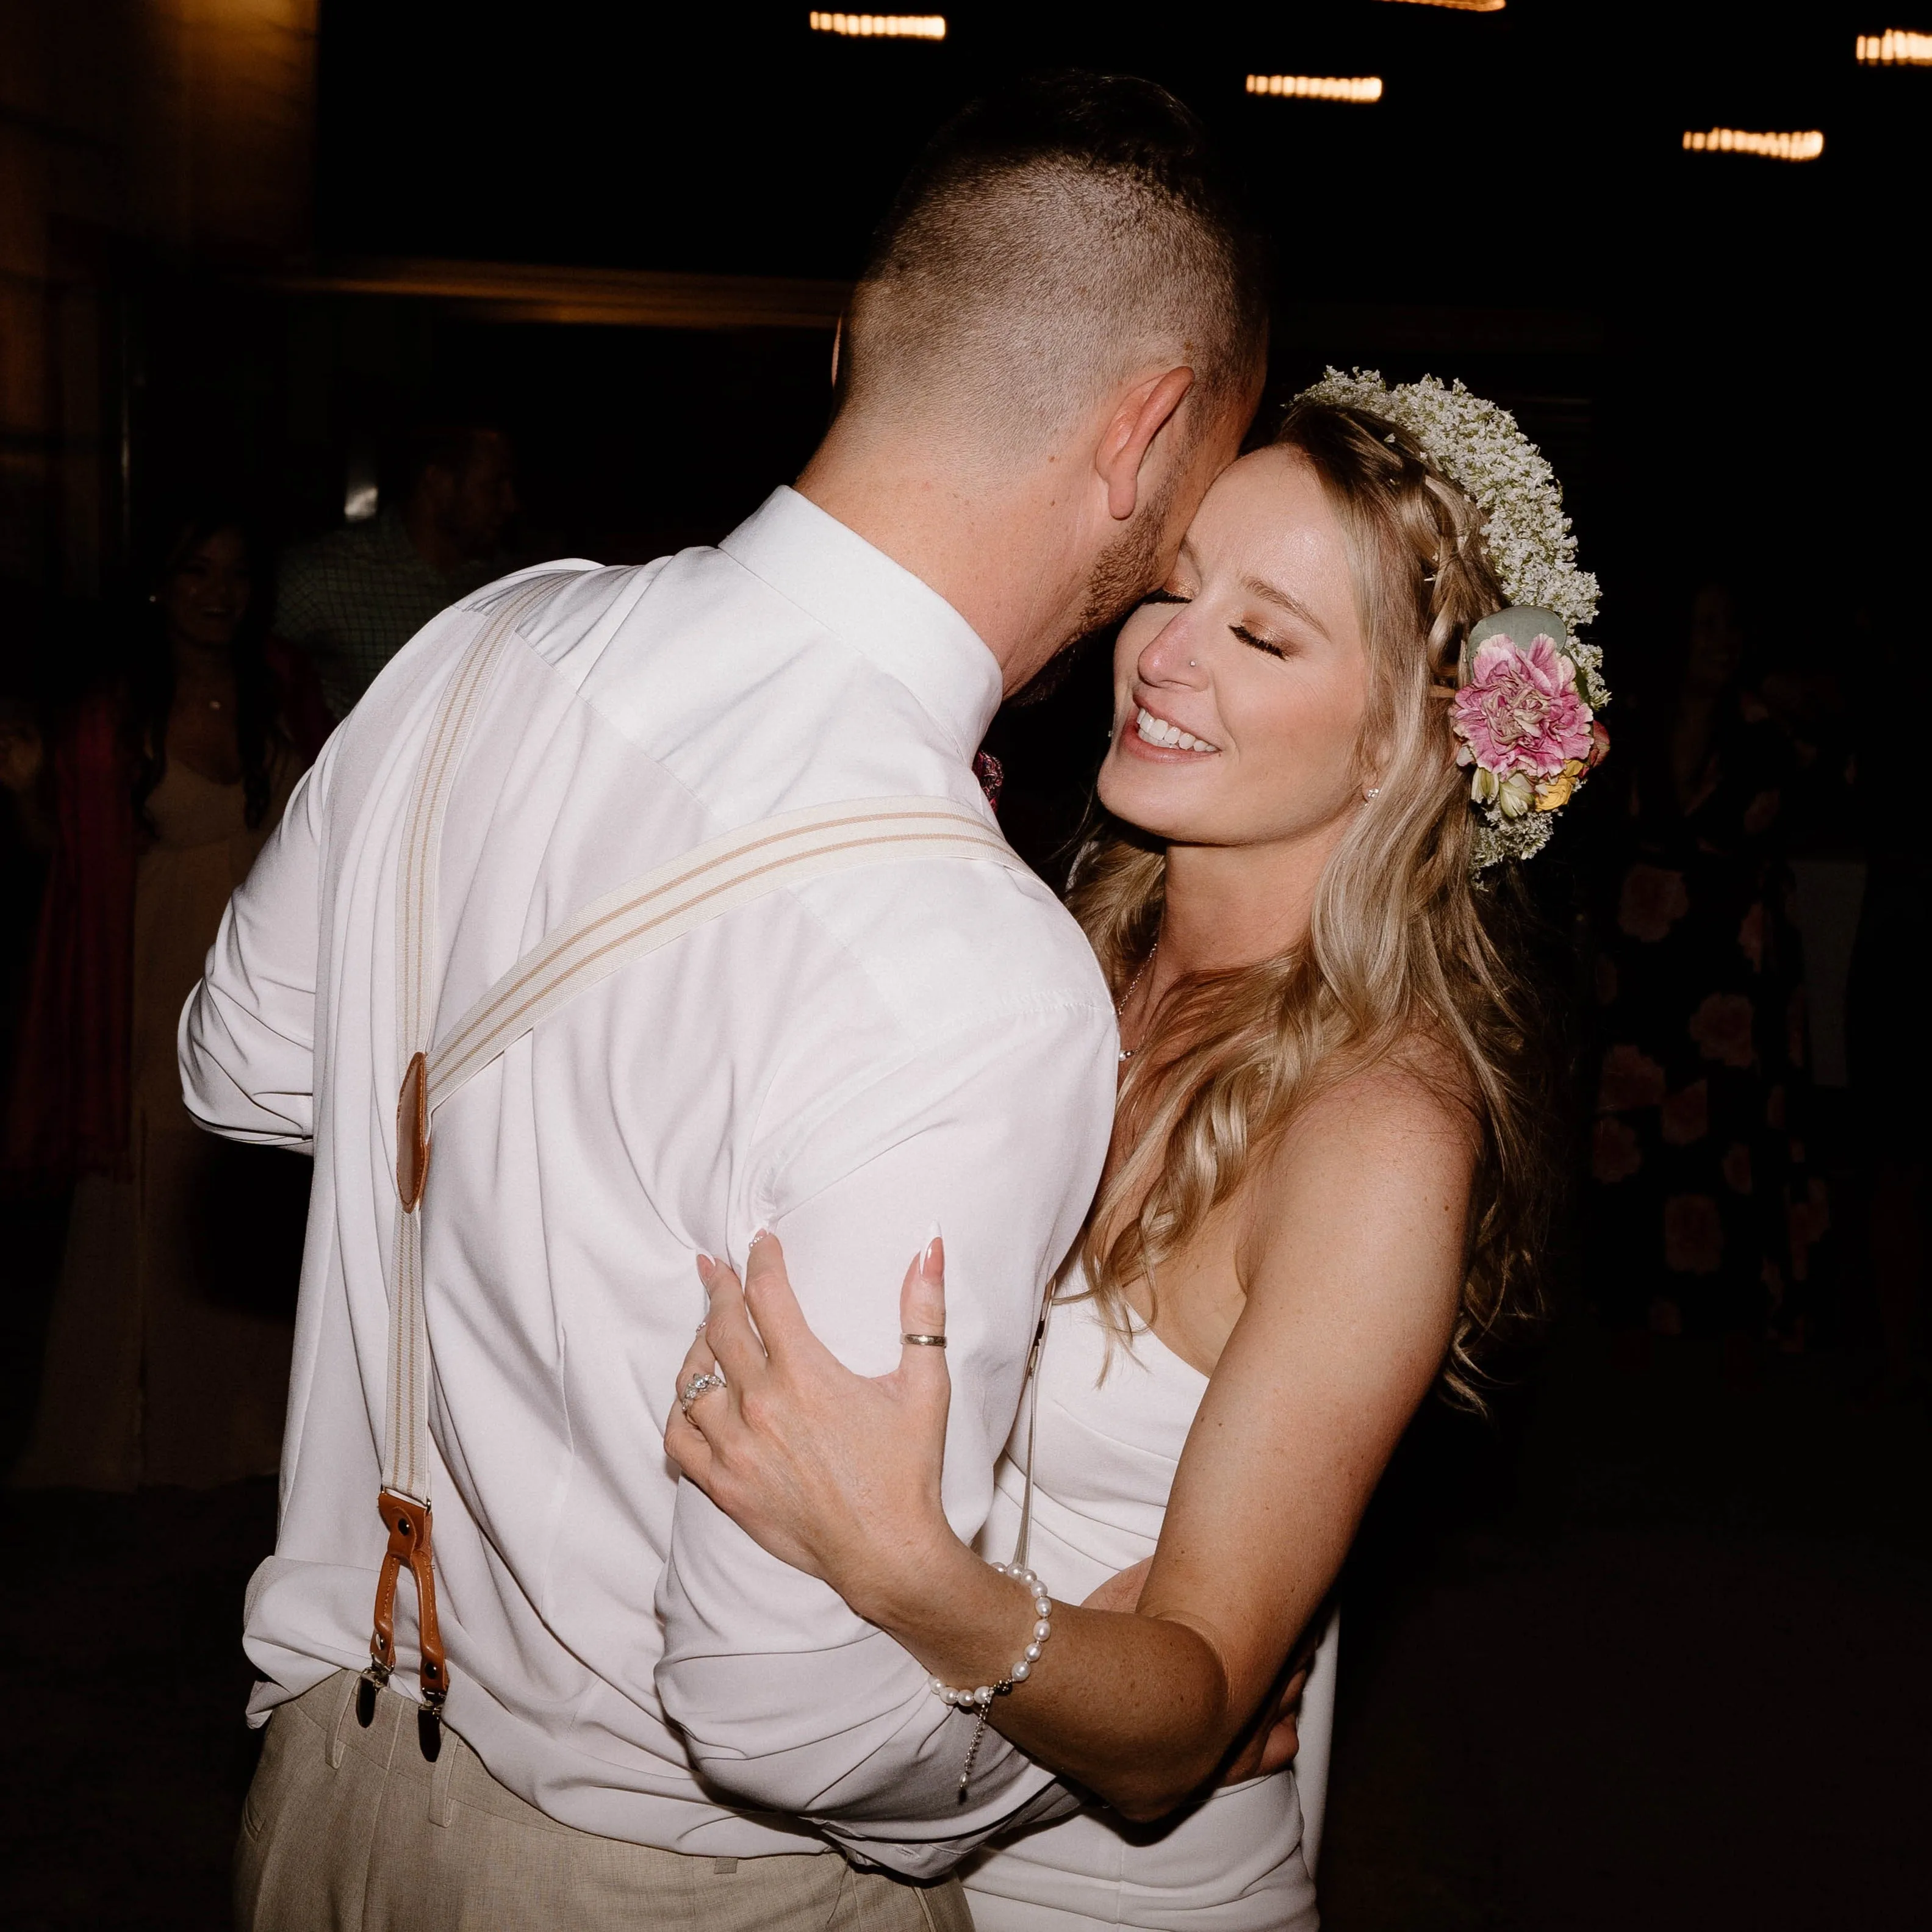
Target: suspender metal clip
(374,1679)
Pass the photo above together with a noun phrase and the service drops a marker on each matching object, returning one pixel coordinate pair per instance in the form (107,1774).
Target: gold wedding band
(925,1341)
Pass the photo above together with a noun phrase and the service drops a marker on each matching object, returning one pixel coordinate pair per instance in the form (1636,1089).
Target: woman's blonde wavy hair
(1404,956)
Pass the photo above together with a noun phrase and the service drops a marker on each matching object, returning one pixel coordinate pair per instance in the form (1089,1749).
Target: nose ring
(1193,664)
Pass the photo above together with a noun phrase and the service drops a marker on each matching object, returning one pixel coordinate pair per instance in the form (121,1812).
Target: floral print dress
(1705,1214)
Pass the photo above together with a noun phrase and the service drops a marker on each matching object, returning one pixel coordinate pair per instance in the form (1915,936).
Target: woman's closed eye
(1260,643)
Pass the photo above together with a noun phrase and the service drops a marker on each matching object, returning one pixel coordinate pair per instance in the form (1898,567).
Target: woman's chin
(1162,799)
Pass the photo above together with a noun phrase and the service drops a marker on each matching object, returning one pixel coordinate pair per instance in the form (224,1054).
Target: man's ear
(1139,416)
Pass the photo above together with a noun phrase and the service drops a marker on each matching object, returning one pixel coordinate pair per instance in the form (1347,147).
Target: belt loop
(439,1778)
(338,1735)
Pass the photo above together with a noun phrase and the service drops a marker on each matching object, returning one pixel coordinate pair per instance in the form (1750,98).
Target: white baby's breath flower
(1479,447)
(1497,839)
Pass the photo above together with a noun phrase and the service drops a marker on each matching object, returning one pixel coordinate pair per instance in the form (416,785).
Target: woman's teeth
(1158,731)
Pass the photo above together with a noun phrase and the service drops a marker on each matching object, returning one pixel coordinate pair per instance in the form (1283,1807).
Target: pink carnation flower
(1520,712)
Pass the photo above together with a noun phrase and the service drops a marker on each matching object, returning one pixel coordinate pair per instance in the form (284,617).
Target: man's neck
(1000,552)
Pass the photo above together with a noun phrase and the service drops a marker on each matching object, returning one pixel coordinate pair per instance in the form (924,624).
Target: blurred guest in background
(26,829)
(353,598)
(1706,1209)
(1889,1032)
(168,1347)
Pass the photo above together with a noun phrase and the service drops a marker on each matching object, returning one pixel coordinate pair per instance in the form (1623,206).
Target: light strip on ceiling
(1316,87)
(1807,147)
(882,26)
(1895,47)
(1465,6)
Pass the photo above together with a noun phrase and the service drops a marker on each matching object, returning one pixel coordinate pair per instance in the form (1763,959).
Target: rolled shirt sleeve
(246,1040)
(995,1134)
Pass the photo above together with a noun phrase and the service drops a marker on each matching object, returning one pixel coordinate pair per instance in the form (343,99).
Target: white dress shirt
(847,1062)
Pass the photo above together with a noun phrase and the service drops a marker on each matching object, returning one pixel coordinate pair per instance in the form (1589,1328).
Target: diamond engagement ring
(698,1385)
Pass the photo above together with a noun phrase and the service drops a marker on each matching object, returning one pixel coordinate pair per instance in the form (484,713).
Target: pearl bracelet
(981,1699)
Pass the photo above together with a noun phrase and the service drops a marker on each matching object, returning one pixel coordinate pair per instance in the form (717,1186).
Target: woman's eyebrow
(1282,601)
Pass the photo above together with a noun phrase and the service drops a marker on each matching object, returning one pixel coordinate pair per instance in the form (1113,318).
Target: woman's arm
(1352,1265)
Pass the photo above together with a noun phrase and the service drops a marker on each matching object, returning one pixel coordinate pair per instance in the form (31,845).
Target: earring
(1193,664)
(1374,791)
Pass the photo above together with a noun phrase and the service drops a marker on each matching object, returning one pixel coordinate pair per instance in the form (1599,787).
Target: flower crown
(1529,688)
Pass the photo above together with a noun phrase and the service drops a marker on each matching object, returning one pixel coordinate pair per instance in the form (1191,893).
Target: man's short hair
(1052,239)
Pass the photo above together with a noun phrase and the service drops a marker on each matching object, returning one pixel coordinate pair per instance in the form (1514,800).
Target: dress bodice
(1110,1418)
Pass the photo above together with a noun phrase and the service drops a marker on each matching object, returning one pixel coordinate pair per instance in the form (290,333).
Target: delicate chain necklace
(1128,1052)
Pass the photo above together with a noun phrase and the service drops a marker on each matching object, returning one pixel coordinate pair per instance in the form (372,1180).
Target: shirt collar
(876,606)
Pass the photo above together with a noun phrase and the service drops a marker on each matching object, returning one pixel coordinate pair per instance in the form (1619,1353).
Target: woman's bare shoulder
(1405,1129)
(1420,1093)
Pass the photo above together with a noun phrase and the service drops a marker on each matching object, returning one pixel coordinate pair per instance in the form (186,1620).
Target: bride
(1328,1178)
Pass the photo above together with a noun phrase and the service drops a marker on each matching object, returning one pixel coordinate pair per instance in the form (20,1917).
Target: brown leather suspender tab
(408,1523)
(412,1134)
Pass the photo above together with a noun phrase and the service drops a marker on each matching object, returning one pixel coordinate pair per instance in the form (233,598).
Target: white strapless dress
(1104,1460)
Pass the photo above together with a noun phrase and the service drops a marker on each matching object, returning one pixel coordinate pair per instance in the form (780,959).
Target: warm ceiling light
(1895,47)
(1774,147)
(1466,6)
(883,26)
(1314,87)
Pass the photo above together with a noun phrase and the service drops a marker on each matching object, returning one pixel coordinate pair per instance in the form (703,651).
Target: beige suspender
(699,885)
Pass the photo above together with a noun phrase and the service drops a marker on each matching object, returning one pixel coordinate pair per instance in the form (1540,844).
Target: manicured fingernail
(705,1265)
(932,1262)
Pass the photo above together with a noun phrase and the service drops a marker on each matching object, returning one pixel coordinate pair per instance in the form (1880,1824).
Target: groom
(1056,343)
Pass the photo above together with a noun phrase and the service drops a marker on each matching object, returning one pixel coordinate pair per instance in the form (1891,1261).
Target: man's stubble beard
(1123,573)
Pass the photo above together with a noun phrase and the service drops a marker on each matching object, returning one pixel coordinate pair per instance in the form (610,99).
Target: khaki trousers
(351,1831)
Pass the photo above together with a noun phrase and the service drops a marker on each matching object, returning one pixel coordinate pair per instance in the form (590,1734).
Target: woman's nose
(1173,656)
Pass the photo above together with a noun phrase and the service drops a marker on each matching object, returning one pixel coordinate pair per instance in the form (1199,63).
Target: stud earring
(1193,664)
(1374,791)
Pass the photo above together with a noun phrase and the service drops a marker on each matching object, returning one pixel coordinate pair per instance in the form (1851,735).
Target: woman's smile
(1150,734)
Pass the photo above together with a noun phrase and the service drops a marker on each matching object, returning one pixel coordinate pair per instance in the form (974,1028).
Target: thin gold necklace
(1128,1052)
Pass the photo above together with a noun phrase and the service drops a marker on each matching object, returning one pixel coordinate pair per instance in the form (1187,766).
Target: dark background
(1722,353)
(1630,1650)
